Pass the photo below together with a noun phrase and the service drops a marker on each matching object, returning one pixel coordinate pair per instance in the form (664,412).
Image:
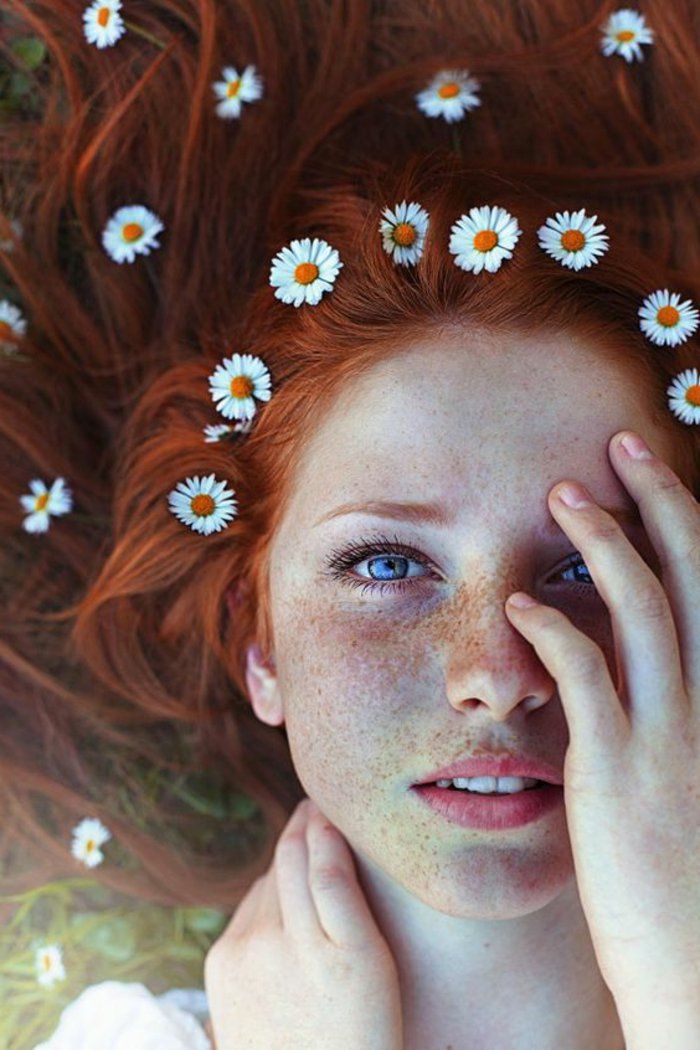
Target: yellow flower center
(485,240)
(132,231)
(404,233)
(668,316)
(232,88)
(90,845)
(241,386)
(572,240)
(624,35)
(202,504)
(46,961)
(692,395)
(41,501)
(448,90)
(306,272)
(103,16)
(6,332)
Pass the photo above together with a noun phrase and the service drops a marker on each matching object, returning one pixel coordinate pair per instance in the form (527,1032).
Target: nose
(489,663)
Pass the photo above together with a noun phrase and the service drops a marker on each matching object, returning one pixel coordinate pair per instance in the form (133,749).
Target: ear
(261,680)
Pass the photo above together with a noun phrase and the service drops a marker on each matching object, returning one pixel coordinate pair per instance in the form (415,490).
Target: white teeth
(489,785)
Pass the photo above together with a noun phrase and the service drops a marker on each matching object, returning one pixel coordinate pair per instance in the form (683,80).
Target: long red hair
(124,632)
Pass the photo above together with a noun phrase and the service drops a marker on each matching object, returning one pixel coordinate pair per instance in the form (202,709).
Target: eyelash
(342,559)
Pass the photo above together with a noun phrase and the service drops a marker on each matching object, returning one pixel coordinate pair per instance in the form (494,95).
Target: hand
(302,964)
(631,774)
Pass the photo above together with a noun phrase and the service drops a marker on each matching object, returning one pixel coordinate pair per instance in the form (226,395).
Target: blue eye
(390,560)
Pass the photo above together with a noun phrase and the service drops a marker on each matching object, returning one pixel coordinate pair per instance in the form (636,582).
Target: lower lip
(491,812)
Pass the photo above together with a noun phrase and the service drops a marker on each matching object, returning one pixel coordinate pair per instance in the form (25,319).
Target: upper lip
(503,764)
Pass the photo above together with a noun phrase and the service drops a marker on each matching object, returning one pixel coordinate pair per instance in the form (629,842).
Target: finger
(671,517)
(344,914)
(642,621)
(294,902)
(597,722)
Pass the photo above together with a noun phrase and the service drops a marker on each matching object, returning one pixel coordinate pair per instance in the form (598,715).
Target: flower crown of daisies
(304,270)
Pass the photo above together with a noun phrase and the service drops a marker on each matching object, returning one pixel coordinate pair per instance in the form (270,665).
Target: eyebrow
(435,513)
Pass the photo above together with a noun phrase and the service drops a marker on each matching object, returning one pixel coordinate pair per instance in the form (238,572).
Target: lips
(504,764)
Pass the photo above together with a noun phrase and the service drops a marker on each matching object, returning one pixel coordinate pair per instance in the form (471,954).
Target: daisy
(8,245)
(236,382)
(12,326)
(484,238)
(235,90)
(220,430)
(102,23)
(204,504)
(666,320)
(131,229)
(49,965)
(623,32)
(304,270)
(43,502)
(88,836)
(684,395)
(403,232)
(449,94)
(572,239)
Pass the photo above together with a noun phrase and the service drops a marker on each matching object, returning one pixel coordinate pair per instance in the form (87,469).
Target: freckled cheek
(349,687)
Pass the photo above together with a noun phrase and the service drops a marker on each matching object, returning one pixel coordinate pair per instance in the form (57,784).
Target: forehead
(467,417)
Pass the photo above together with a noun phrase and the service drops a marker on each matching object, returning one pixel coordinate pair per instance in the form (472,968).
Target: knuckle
(650,603)
(604,528)
(327,876)
(585,662)
(288,847)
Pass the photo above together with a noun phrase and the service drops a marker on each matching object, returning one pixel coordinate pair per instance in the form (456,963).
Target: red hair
(124,632)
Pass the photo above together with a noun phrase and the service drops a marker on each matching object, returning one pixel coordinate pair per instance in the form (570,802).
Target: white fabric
(116,1015)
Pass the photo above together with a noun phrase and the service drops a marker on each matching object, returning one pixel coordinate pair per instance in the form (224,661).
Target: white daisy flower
(8,245)
(48,961)
(131,230)
(102,23)
(12,326)
(44,502)
(304,270)
(403,232)
(449,94)
(666,320)
(572,239)
(236,382)
(220,430)
(235,89)
(484,238)
(88,836)
(206,505)
(623,32)
(684,395)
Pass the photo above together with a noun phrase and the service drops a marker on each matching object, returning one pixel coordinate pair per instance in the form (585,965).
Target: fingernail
(635,447)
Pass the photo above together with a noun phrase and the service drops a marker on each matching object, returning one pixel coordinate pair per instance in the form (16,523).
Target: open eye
(391,563)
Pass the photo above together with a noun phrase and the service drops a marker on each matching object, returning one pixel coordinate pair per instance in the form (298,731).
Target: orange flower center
(448,90)
(572,240)
(692,395)
(132,231)
(6,332)
(668,315)
(41,501)
(202,504)
(241,386)
(103,16)
(485,240)
(624,35)
(306,272)
(404,233)
(232,88)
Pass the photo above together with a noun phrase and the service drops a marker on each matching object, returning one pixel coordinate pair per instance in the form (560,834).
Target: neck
(473,984)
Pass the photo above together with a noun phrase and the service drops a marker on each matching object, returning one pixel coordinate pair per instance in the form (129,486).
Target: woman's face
(394,663)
